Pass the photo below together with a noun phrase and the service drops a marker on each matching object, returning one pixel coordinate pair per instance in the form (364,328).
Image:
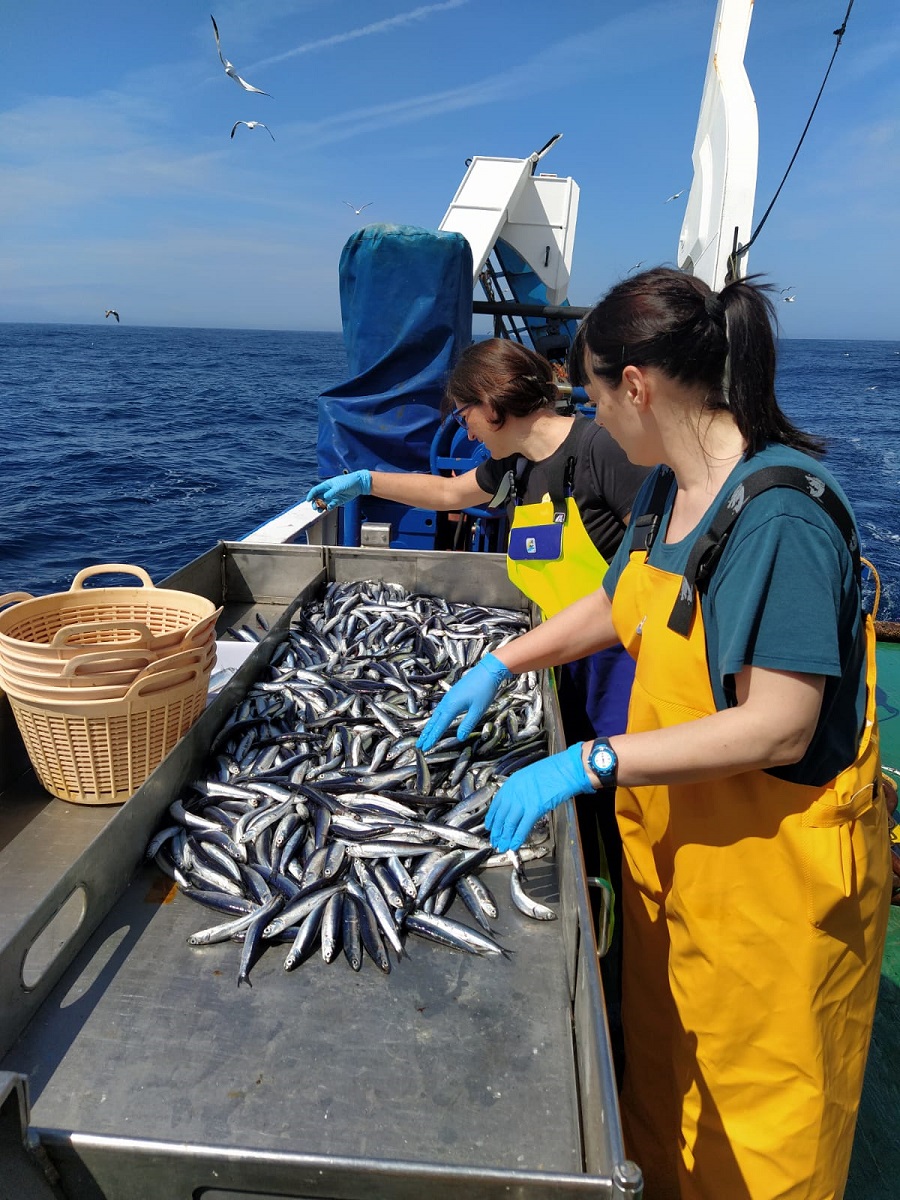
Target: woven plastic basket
(101,751)
(84,666)
(146,617)
(71,686)
(72,641)
(95,667)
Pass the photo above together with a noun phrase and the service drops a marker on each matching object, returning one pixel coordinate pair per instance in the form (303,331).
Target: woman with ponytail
(747,785)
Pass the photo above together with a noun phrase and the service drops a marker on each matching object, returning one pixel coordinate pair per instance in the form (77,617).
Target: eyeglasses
(458,414)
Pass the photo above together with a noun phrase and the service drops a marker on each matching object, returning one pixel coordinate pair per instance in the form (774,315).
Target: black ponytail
(722,342)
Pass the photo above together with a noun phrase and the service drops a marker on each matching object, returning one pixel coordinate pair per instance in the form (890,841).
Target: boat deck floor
(147,1036)
(875,1165)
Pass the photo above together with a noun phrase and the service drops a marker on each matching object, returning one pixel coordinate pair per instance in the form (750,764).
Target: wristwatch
(603,762)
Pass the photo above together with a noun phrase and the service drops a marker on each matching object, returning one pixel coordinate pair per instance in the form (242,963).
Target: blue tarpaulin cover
(406,309)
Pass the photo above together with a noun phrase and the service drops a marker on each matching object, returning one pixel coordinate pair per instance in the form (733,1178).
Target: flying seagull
(111,312)
(253,125)
(359,210)
(229,67)
(675,196)
(636,265)
(789,299)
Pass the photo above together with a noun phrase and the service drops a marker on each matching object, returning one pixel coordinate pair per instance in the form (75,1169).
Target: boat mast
(719,213)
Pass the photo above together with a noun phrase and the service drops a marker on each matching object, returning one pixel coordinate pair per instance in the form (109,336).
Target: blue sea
(149,445)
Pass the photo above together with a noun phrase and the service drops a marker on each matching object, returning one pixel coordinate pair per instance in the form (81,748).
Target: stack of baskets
(103,681)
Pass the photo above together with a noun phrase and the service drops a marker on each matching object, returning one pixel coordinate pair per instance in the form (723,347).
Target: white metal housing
(500,199)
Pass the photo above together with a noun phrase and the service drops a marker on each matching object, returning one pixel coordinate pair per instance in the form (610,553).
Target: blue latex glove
(341,488)
(532,792)
(471,695)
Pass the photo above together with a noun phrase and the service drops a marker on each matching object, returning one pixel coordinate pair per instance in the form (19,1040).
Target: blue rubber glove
(532,792)
(471,695)
(341,488)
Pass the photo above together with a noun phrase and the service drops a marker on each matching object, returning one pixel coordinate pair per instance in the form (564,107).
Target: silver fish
(527,904)
(451,933)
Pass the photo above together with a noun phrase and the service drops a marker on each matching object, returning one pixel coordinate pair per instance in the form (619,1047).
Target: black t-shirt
(604,484)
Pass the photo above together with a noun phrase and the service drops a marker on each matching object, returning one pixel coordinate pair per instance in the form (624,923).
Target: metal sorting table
(151,1075)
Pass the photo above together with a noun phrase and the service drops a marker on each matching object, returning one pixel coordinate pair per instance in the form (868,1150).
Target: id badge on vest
(536,543)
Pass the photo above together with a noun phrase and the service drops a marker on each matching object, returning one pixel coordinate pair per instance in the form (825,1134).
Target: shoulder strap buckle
(645,527)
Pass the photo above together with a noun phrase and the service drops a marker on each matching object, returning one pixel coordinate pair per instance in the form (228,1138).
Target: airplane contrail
(336,39)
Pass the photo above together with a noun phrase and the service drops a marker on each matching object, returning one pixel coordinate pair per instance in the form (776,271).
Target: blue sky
(122,188)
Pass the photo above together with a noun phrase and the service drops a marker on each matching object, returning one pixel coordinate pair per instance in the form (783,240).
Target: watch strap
(606,775)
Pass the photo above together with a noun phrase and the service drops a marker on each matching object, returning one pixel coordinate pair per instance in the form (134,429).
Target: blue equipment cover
(406,309)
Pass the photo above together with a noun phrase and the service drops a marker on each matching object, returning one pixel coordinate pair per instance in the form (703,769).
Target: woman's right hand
(472,695)
(342,488)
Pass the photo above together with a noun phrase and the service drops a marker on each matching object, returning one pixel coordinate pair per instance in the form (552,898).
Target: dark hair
(673,321)
(505,374)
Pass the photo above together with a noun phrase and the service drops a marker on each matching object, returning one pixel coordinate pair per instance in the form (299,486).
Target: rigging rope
(741,250)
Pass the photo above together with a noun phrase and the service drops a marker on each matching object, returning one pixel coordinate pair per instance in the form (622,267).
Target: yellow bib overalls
(754,917)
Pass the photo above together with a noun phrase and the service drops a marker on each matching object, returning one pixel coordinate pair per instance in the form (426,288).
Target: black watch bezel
(606,774)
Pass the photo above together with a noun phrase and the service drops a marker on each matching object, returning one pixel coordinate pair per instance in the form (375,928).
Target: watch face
(603,760)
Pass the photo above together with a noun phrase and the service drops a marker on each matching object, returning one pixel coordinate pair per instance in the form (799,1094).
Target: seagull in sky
(636,265)
(789,299)
(253,125)
(359,210)
(675,196)
(111,312)
(229,67)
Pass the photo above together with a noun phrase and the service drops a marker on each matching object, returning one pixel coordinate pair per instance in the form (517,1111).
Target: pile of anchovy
(321,824)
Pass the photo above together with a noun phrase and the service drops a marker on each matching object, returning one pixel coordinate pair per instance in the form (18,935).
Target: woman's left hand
(531,793)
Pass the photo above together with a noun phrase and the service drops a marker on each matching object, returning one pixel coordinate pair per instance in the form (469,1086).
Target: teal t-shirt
(783,596)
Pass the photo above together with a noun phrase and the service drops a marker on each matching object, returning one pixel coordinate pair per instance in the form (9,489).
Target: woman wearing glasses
(571,487)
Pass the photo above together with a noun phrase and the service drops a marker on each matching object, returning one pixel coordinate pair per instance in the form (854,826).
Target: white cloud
(861,63)
(587,52)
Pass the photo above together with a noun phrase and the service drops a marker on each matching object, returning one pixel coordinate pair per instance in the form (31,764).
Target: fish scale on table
(321,823)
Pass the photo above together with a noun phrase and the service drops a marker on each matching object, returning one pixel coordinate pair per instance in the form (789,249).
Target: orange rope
(877,580)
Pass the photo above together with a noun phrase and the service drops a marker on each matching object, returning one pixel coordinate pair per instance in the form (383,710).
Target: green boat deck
(875,1165)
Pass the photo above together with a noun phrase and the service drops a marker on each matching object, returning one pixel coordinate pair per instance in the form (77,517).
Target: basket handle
(202,626)
(146,685)
(196,633)
(175,662)
(110,568)
(15,597)
(143,636)
(121,661)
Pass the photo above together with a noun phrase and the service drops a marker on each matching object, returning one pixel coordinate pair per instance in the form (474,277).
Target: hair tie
(715,308)
(541,384)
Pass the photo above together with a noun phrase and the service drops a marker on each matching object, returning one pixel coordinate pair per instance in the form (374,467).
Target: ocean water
(849,393)
(149,445)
